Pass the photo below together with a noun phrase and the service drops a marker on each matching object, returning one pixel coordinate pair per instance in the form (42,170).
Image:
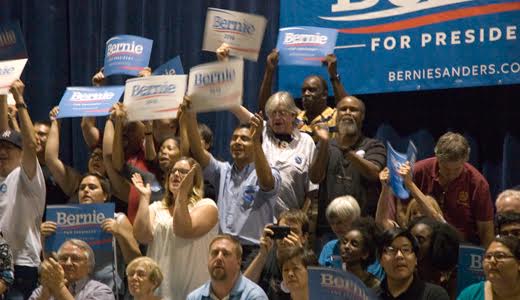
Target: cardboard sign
(12,44)
(10,71)
(154,97)
(171,67)
(394,162)
(306,46)
(242,32)
(80,221)
(127,54)
(216,86)
(335,284)
(89,101)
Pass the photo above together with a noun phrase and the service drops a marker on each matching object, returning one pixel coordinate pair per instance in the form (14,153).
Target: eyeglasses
(512,232)
(181,171)
(499,256)
(73,258)
(392,251)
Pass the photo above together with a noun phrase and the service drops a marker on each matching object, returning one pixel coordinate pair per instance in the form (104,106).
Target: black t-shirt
(342,178)
(271,278)
(418,290)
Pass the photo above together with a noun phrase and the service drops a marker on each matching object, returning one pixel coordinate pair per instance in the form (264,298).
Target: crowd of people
(304,188)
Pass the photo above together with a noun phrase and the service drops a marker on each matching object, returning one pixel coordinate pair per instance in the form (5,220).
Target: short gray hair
(281,99)
(452,147)
(86,248)
(510,193)
(343,208)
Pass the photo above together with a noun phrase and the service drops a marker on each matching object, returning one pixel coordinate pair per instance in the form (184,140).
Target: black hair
(390,235)
(445,241)
(206,134)
(308,256)
(103,181)
(511,242)
(506,219)
(371,235)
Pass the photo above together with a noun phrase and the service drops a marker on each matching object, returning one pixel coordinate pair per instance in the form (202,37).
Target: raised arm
(319,164)
(149,144)
(267,81)
(11,115)
(29,158)
(254,270)
(4,118)
(66,177)
(120,187)
(337,86)
(384,206)
(144,219)
(90,132)
(189,121)
(425,206)
(197,222)
(263,170)
(118,154)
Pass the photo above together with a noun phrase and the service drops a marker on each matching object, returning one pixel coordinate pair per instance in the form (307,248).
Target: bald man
(508,201)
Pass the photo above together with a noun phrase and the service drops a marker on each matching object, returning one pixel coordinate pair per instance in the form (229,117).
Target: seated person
(265,268)
(144,277)
(358,250)
(225,255)
(398,256)
(294,262)
(68,275)
(502,268)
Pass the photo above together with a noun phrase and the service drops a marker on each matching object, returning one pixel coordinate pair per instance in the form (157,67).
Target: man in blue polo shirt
(247,188)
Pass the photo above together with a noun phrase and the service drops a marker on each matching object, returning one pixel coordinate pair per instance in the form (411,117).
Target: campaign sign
(10,71)
(80,221)
(470,268)
(12,44)
(304,45)
(216,86)
(335,284)
(89,101)
(242,32)
(394,162)
(397,45)
(154,97)
(171,67)
(127,54)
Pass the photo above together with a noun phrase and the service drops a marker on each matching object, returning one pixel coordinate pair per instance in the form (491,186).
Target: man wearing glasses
(68,277)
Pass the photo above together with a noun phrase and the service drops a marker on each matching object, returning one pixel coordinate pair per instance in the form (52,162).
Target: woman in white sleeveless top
(178,229)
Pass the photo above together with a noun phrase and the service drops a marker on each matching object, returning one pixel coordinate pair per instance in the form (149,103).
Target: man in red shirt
(461,191)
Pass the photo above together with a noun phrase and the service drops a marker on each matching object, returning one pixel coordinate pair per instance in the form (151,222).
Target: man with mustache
(225,255)
(347,164)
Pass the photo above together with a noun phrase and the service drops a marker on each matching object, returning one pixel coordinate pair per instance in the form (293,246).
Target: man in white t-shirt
(22,196)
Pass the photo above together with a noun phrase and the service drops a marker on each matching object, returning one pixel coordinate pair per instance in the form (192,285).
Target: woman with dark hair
(502,268)
(358,250)
(438,252)
(398,256)
(294,262)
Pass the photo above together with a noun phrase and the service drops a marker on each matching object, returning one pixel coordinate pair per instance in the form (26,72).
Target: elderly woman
(144,277)
(502,269)
(178,229)
(358,250)
(398,256)
(340,214)
(438,252)
(294,262)
(95,189)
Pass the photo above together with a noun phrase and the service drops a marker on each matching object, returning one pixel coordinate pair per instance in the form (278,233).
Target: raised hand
(321,130)
(53,114)
(137,181)
(99,78)
(272,59)
(384,176)
(223,52)
(17,89)
(406,172)
(110,225)
(48,228)
(257,126)
(331,61)
(147,71)
(187,183)
(266,242)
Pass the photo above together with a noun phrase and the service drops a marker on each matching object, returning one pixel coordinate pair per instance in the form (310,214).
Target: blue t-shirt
(473,292)
(330,257)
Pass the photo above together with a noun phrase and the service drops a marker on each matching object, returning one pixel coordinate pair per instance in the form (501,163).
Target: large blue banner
(80,221)
(12,44)
(127,54)
(89,101)
(406,45)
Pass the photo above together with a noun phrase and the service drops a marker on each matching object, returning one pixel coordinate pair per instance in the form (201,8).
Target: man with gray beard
(348,164)
(225,255)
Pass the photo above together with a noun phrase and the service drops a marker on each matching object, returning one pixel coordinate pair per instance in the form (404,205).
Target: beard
(218,274)
(347,126)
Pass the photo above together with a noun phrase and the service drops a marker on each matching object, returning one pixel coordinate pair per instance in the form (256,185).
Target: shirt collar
(237,288)
(412,292)
(77,286)
(326,114)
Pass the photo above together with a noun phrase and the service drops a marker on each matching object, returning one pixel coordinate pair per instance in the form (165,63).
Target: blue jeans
(25,282)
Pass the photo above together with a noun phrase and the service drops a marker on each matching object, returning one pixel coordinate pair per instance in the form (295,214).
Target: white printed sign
(242,32)
(10,70)
(216,86)
(154,97)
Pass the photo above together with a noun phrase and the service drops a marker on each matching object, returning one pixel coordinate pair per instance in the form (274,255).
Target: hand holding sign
(272,59)
(223,52)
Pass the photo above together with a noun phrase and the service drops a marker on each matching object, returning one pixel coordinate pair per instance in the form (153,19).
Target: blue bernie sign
(127,54)
(305,45)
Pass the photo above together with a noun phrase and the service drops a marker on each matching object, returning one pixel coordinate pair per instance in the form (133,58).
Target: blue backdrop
(65,43)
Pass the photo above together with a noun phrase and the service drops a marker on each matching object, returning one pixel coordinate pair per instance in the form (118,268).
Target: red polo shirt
(464,201)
